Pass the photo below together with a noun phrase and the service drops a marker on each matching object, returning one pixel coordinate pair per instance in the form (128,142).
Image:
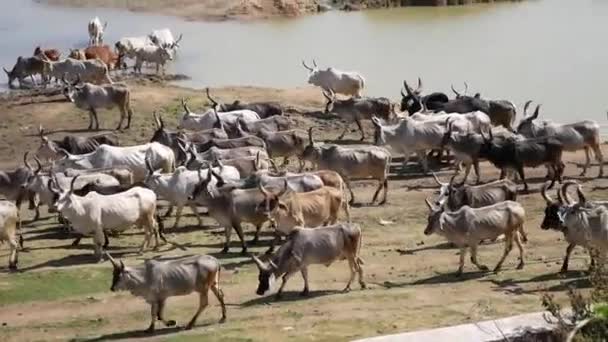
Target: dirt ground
(59,294)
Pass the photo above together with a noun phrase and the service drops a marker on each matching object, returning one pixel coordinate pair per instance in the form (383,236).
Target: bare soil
(411,276)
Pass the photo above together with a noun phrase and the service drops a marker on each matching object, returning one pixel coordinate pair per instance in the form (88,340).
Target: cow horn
(185,105)
(213,102)
(29,167)
(264,192)
(306,66)
(581,195)
(40,130)
(407,88)
(466,88)
(256,165)
(285,188)
(437,179)
(563,192)
(39,165)
(543,192)
(156,119)
(73,182)
(402,93)
(329,99)
(419,89)
(429,204)
(536,111)
(454,90)
(274,165)
(452,180)
(526,105)
(311,141)
(314,63)
(259,263)
(6,71)
(111,260)
(181,35)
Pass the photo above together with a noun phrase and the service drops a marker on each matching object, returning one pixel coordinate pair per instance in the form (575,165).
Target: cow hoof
(171,323)
(563,271)
(225,250)
(496,270)
(269,251)
(382,203)
(305,293)
(458,273)
(188,327)
(483,268)
(346,289)
(244,251)
(222,320)
(278,296)
(12,267)
(150,330)
(520,266)
(363,286)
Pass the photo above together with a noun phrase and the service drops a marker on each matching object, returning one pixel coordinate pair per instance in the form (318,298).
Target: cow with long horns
(349,83)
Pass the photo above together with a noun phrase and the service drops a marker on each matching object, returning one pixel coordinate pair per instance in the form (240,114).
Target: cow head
(48,148)
(120,274)
(165,53)
(433,224)
(311,152)
(71,90)
(445,190)
(18,71)
(464,93)
(526,126)
(555,211)
(202,191)
(32,174)
(411,100)
(266,276)
(63,198)
(161,135)
(315,76)
(279,212)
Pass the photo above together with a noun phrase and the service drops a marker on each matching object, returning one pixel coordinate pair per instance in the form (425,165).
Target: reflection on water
(551,51)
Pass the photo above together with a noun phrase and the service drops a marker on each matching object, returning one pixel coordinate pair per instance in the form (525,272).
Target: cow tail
(345,204)
(514,113)
(359,260)
(19,230)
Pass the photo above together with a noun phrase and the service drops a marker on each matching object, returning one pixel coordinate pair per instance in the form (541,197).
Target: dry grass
(60,294)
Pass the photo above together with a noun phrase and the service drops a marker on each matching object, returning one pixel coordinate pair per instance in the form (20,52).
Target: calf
(91,97)
(51,54)
(103,53)
(152,54)
(10,231)
(583,223)
(306,247)
(467,226)
(352,162)
(357,109)
(156,281)
(25,67)
(511,154)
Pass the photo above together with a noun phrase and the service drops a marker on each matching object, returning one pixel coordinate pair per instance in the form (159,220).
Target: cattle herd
(223,159)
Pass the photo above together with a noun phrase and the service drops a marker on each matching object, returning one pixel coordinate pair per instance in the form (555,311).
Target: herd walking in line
(224,159)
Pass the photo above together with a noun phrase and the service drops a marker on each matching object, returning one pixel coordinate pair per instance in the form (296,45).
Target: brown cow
(51,54)
(103,52)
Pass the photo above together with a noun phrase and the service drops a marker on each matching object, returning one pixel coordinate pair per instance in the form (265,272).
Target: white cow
(129,45)
(164,38)
(92,70)
(152,54)
(132,157)
(90,215)
(207,120)
(96,31)
(341,82)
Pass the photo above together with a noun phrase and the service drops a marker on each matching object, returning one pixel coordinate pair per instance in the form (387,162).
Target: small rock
(420,243)
(287,328)
(4,324)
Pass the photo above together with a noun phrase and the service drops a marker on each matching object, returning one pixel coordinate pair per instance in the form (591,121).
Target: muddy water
(551,51)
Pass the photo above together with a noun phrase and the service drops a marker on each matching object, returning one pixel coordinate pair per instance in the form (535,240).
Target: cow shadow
(75,260)
(81,130)
(136,334)
(412,251)
(288,296)
(448,278)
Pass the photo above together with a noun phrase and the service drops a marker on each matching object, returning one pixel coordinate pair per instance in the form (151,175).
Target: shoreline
(252,10)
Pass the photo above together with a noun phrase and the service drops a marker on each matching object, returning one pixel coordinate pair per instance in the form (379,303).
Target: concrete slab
(486,331)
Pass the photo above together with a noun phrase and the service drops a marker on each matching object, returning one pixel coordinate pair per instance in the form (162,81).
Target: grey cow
(156,281)
(582,135)
(307,246)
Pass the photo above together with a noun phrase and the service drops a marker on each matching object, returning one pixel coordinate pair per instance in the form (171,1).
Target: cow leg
(520,247)
(13,258)
(239,232)
(256,237)
(106,241)
(198,216)
(473,247)
(358,122)
(587,161)
(275,241)
(227,236)
(476,168)
(123,115)
(423,161)
(352,265)
(93,116)
(380,186)
(352,195)
(219,294)
(129,116)
(520,171)
(160,314)
(597,151)
(466,172)
(203,302)
(153,314)
(502,174)
(569,250)
(304,271)
(463,254)
(76,241)
(341,136)
(169,211)
(98,240)
(508,246)
(157,68)
(147,237)
(178,215)
(385,185)
(286,277)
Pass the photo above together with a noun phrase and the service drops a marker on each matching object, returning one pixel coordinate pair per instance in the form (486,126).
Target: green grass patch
(52,285)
